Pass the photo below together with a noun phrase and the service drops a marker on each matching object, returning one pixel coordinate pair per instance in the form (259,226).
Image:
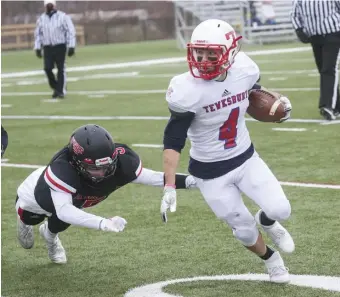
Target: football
(264,106)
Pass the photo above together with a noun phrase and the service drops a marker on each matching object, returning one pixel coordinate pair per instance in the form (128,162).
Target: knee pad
(246,234)
(244,227)
(280,212)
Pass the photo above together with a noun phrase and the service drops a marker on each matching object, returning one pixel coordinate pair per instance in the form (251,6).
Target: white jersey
(218,131)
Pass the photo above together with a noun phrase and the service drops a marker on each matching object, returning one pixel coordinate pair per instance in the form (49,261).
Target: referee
(318,22)
(55,33)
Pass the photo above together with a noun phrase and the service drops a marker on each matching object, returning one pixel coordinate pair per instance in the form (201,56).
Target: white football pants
(254,179)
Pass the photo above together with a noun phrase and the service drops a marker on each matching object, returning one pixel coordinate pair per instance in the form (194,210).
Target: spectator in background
(55,32)
(4,140)
(267,13)
(262,13)
(318,22)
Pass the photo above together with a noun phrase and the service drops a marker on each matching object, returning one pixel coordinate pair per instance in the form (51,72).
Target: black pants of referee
(55,55)
(326,50)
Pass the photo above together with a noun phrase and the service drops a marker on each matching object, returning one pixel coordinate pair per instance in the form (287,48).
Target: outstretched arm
(157,179)
(70,214)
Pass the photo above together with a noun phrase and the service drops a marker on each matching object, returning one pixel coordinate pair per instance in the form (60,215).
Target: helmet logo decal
(119,150)
(230,34)
(77,148)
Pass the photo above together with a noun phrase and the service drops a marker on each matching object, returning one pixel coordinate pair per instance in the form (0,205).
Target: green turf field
(194,242)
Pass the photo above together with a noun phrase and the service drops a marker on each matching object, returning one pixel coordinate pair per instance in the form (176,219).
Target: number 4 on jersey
(228,131)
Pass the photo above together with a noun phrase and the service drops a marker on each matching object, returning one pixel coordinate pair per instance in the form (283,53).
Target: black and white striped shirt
(316,17)
(55,29)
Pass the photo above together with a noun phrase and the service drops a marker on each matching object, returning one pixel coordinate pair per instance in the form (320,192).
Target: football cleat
(276,269)
(278,234)
(25,234)
(56,251)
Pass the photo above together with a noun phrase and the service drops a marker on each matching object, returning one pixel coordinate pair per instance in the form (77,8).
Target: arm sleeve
(68,213)
(37,35)
(256,87)
(296,15)
(176,130)
(182,99)
(70,32)
(156,178)
(150,177)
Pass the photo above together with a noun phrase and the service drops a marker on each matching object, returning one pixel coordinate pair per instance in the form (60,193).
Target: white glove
(288,108)
(115,224)
(190,182)
(169,201)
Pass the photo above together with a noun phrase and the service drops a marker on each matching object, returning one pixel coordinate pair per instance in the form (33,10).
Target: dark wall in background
(103,21)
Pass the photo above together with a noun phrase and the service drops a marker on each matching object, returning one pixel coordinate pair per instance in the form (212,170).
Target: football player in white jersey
(208,104)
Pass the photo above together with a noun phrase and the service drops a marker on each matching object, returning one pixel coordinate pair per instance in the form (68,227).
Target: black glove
(71,51)
(38,53)
(303,37)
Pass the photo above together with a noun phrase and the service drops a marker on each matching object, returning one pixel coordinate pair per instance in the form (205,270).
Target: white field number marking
(328,283)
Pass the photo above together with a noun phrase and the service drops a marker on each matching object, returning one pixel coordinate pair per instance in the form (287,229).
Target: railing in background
(251,19)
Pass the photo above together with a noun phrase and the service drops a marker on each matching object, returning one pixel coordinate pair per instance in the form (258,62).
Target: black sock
(264,220)
(268,253)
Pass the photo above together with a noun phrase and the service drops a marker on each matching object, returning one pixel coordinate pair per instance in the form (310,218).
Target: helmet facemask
(218,59)
(97,170)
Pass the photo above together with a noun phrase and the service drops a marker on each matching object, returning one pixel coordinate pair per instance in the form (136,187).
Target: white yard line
(331,122)
(136,75)
(81,118)
(21,165)
(147,62)
(148,145)
(104,92)
(278,78)
(130,92)
(106,118)
(50,100)
(311,185)
(305,71)
(290,129)
(6,105)
(98,76)
(292,184)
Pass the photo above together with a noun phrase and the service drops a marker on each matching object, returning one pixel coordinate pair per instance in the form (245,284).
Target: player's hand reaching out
(169,201)
(115,224)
